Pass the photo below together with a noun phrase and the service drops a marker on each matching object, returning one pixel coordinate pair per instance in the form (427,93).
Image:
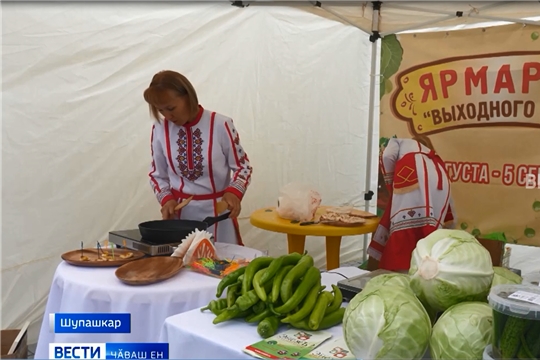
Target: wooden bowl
(149,270)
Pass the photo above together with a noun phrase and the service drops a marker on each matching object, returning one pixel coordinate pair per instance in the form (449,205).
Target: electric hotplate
(132,239)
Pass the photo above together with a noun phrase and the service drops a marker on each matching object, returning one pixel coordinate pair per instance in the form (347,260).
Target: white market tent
(299,79)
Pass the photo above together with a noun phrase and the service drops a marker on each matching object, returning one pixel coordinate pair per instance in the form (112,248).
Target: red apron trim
(437,161)
(182,195)
(210,170)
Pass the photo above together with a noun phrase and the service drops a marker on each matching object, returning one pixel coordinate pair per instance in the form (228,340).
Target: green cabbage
(462,332)
(402,280)
(504,276)
(449,267)
(385,322)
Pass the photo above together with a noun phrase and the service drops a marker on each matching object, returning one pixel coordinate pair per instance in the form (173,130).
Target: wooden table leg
(296,243)
(333,247)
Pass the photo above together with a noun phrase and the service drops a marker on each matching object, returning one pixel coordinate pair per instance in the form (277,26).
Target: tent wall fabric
(294,77)
(76,130)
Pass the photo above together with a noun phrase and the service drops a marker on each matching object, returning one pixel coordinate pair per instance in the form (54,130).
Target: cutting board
(149,270)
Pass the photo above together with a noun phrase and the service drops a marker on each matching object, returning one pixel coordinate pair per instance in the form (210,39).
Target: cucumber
(511,337)
(530,343)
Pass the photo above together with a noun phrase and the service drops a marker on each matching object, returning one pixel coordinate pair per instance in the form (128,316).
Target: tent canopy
(400,16)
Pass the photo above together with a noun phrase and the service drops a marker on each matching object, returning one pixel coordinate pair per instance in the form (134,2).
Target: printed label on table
(331,349)
(90,323)
(290,344)
(108,351)
(526,296)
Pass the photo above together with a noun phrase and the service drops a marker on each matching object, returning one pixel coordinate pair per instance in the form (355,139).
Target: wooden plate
(354,221)
(362,214)
(351,212)
(150,270)
(74,257)
(343,224)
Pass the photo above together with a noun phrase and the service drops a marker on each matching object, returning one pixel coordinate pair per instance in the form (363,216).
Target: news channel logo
(90,323)
(108,351)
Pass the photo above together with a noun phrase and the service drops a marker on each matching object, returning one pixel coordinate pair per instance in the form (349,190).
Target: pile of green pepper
(275,291)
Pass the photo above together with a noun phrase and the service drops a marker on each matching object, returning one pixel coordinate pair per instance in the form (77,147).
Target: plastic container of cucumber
(516,321)
(488,353)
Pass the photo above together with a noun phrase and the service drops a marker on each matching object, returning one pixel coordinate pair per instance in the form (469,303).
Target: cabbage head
(397,279)
(505,276)
(462,332)
(385,322)
(449,267)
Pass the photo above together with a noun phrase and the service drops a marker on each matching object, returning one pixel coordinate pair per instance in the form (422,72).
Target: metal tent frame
(464,10)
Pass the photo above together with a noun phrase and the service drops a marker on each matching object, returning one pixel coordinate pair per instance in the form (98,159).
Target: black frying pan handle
(212,220)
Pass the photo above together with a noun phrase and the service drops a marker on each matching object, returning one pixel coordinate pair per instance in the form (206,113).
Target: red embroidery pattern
(194,153)
(242,157)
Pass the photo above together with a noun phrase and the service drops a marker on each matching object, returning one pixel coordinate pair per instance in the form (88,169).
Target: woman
(195,152)
(420,202)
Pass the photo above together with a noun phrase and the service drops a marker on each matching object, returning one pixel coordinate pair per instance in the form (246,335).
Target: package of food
(298,202)
(516,321)
(200,254)
(216,267)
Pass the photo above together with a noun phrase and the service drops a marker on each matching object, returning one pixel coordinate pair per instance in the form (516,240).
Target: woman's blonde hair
(165,81)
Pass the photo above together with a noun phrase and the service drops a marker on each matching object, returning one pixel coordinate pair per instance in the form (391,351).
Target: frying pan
(174,231)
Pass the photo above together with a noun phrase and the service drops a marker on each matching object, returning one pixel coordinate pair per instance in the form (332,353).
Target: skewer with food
(106,256)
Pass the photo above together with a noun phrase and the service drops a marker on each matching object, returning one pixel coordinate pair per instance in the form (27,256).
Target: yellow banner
(480,108)
(493,89)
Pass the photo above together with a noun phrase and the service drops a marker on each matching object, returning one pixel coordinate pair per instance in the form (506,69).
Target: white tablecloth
(86,290)
(191,335)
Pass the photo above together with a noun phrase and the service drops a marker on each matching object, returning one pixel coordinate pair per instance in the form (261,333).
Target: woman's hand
(234,204)
(167,211)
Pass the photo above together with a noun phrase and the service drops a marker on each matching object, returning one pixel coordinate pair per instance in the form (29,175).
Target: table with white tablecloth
(191,335)
(98,290)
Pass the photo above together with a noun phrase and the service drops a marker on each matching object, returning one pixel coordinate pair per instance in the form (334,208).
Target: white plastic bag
(298,202)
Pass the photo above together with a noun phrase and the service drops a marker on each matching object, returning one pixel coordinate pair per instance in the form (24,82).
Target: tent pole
(368,194)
